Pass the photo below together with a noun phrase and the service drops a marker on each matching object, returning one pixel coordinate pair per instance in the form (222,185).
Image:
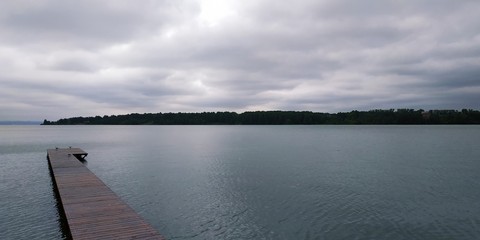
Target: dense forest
(391,116)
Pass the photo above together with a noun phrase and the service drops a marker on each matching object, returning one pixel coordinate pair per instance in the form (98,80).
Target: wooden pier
(91,209)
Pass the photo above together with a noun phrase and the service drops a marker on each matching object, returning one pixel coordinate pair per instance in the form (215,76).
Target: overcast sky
(84,58)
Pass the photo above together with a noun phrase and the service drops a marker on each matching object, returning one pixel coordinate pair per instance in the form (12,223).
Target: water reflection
(27,203)
(270,182)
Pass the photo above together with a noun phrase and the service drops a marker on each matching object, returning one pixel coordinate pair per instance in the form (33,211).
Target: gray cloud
(69,58)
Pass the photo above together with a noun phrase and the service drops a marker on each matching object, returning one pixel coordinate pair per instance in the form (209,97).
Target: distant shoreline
(20,122)
(372,117)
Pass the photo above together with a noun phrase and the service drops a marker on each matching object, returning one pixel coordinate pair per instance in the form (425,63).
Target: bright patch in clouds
(213,12)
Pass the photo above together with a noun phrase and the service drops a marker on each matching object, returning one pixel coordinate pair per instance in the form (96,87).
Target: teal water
(258,182)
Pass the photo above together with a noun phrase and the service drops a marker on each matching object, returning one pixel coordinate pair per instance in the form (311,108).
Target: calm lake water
(258,182)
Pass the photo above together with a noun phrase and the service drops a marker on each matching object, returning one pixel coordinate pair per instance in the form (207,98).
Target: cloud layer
(82,58)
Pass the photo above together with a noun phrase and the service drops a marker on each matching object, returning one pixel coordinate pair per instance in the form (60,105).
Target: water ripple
(266,182)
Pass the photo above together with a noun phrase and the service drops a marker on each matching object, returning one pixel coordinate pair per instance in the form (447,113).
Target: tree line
(378,116)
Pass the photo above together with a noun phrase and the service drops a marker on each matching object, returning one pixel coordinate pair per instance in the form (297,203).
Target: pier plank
(92,209)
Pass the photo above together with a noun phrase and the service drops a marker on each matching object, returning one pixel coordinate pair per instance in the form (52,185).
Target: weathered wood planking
(92,210)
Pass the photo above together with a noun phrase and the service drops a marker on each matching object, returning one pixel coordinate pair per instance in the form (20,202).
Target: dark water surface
(258,182)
